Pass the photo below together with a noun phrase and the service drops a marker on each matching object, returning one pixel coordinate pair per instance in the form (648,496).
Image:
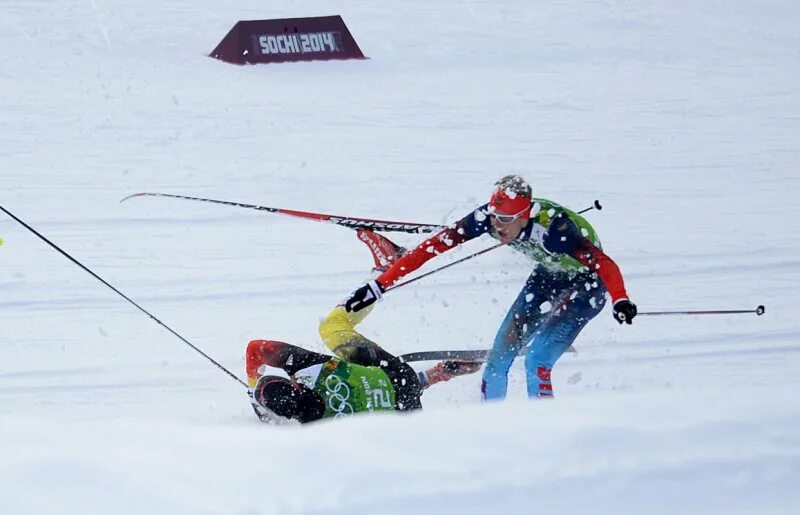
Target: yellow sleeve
(338,329)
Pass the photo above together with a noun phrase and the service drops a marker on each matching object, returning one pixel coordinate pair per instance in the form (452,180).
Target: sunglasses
(507,219)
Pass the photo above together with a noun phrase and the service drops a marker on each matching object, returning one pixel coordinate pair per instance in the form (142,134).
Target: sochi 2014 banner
(291,39)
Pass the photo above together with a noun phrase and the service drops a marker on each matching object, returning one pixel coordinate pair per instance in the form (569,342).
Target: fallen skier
(321,386)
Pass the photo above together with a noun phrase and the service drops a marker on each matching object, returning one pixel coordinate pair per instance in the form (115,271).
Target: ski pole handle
(758,311)
(596,206)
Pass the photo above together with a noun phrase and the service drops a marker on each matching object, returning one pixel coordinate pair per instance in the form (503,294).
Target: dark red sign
(291,39)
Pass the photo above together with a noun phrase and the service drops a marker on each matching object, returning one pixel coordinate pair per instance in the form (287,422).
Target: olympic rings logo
(339,393)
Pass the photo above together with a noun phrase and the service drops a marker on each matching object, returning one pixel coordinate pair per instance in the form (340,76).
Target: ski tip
(760,310)
(131,196)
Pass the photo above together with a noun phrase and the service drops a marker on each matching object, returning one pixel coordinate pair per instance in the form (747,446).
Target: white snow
(681,117)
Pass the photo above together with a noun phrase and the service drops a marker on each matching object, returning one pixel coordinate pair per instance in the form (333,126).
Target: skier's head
(510,207)
(288,399)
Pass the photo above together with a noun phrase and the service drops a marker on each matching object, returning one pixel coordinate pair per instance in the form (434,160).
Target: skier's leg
(338,333)
(570,313)
(280,355)
(384,251)
(520,321)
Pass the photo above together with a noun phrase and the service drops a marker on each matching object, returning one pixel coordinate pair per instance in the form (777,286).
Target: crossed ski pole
(477,355)
(315,216)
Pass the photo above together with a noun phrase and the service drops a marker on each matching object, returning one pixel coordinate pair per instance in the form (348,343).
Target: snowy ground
(683,118)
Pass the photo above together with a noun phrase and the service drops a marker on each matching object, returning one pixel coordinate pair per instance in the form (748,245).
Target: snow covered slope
(681,117)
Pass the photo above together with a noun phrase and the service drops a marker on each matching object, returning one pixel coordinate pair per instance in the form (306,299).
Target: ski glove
(459,367)
(364,297)
(624,311)
(447,370)
(261,413)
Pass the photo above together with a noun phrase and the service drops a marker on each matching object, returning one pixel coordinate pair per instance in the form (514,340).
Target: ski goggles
(507,219)
(506,207)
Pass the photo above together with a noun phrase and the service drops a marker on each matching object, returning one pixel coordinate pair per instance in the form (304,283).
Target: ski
(437,355)
(344,221)
(467,355)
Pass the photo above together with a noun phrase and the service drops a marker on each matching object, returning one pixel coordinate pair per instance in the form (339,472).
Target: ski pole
(484,251)
(345,221)
(758,311)
(596,206)
(140,308)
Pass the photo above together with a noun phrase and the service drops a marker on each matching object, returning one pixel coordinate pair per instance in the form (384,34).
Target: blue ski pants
(546,316)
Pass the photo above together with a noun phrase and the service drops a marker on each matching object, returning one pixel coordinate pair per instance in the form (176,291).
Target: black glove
(261,413)
(624,311)
(461,367)
(364,297)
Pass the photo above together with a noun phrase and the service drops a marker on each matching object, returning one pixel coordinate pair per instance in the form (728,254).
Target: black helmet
(288,399)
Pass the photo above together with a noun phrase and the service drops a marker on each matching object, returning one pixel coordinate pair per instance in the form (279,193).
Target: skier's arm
(338,333)
(469,227)
(597,260)
(564,237)
(441,242)
(279,355)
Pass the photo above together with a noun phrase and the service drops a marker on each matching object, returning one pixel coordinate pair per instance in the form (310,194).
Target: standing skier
(566,289)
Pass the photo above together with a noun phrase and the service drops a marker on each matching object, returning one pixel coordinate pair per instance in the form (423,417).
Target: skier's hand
(261,413)
(624,311)
(364,296)
(458,367)
(447,370)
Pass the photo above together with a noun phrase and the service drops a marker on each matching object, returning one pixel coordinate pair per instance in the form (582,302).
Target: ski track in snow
(680,117)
